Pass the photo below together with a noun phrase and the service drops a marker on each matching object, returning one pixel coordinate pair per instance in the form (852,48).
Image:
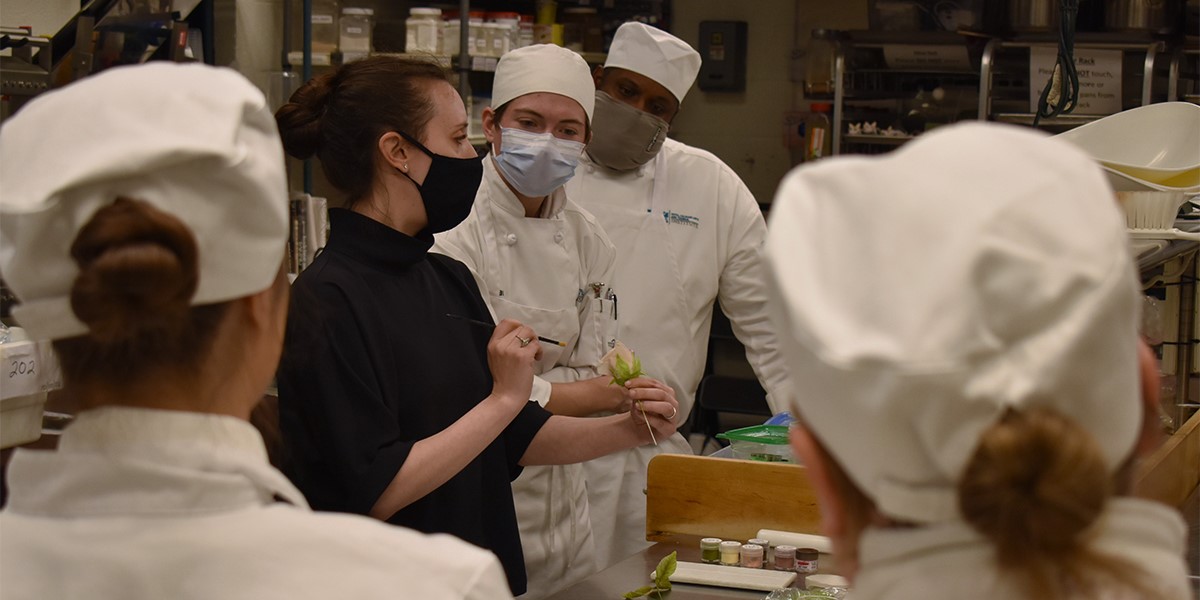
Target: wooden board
(726,498)
(1172,473)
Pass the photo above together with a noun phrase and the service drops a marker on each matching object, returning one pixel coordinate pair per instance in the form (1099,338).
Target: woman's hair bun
(1034,486)
(138,271)
(299,120)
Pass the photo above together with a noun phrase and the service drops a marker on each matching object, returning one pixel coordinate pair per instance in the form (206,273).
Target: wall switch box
(723,56)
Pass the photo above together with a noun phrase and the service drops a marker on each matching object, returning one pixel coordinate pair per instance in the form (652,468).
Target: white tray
(764,580)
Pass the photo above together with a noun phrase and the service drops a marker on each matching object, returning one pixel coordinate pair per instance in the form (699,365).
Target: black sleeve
(520,433)
(351,447)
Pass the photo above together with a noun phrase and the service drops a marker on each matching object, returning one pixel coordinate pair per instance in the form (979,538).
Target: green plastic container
(768,443)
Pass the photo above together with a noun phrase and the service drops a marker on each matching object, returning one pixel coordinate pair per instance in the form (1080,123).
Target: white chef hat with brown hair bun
(194,141)
(921,295)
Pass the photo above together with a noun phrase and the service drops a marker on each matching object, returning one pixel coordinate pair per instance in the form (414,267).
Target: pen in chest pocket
(596,288)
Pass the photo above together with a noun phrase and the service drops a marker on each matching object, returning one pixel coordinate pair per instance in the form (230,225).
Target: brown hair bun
(1034,487)
(299,120)
(137,272)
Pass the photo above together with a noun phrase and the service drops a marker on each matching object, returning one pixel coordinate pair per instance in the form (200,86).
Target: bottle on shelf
(818,63)
(818,134)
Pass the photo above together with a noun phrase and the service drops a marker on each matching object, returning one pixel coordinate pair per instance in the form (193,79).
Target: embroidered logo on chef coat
(674,218)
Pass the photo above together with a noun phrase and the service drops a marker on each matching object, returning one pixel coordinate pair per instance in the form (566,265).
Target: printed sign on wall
(1099,79)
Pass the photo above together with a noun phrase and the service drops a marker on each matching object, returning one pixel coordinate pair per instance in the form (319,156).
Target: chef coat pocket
(556,324)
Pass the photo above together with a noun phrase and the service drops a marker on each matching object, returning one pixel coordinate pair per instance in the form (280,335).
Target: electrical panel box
(723,55)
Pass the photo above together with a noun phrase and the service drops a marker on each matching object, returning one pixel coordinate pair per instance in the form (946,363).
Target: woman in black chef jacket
(389,407)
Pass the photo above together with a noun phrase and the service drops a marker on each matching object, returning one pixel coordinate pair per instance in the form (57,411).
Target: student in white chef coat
(976,397)
(541,260)
(687,233)
(144,218)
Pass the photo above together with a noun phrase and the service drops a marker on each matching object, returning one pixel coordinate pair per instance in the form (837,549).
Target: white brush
(1152,214)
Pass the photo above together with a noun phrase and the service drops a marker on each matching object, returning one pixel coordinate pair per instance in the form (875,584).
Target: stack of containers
(489,35)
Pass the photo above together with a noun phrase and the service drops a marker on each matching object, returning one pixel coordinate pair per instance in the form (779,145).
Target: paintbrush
(490,326)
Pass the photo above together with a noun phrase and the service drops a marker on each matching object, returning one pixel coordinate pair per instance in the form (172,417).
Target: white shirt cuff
(541,391)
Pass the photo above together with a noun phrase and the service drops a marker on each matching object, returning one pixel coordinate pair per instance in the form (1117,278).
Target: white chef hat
(544,68)
(921,294)
(194,141)
(652,52)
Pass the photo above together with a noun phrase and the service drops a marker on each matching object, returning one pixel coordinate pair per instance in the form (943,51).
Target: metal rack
(984,58)
(1151,51)
(873,40)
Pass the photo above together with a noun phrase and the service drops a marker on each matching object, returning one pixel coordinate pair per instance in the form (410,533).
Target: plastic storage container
(423,29)
(768,443)
(324,25)
(508,31)
(451,42)
(525,31)
(356,26)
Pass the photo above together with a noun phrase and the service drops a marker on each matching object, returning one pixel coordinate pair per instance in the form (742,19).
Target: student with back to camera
(976,396)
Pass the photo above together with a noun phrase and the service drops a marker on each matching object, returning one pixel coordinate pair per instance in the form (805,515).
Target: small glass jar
(731,553)
(766,546)
(752,556)
(710,550)
(785,558)
(806,560)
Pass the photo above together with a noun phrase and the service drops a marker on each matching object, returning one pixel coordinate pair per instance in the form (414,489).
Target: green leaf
(638,593)
(666,568)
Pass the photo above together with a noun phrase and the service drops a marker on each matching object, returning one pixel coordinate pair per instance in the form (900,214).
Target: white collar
(130,461)
(1126,521)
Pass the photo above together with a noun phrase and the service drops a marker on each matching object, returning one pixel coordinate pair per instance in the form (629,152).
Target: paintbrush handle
(490,326)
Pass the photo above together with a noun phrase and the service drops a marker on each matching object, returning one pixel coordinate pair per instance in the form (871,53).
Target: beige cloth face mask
(624,138)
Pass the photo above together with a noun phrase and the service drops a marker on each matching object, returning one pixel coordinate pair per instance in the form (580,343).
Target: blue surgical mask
(536,164)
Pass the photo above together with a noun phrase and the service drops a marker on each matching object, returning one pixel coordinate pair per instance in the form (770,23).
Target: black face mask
(449,189)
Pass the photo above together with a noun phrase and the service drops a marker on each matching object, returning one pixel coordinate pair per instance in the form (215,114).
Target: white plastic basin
(1159,143)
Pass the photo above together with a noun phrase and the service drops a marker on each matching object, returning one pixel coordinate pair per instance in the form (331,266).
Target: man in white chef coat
(687,232)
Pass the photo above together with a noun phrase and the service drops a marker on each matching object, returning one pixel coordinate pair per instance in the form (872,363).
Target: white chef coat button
(591,169)
(558,236)
(510,239)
